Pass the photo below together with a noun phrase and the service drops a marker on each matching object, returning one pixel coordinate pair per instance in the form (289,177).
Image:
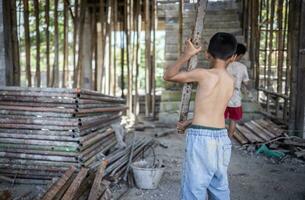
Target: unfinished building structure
(116,48)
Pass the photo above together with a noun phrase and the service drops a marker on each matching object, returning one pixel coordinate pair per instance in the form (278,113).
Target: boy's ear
(207,55)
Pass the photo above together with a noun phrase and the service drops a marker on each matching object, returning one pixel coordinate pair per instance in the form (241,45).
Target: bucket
(146,177)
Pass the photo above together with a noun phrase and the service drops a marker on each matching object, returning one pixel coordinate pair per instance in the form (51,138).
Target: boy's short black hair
(241,49)
(222,45)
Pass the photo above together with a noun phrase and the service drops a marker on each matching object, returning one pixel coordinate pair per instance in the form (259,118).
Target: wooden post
(138,56)
(122,57)
(280,45)
(55,77)
(153,56)
(100,46)
(127,33)
(81,21)
(11,49)
(37,74)
(86,52)
(66,47)
(300,99)
(75,31)
(148,58)
(115,29)
(27,42)
(181,2)
(192,64)
(47,21)
(266,44)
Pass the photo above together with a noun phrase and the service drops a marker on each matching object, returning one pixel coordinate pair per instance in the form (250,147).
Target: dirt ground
(252,177)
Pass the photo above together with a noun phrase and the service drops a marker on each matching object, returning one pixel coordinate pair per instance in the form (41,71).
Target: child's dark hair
(222,45)
(241,49)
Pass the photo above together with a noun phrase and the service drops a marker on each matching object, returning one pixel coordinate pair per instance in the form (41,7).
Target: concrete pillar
(2,49)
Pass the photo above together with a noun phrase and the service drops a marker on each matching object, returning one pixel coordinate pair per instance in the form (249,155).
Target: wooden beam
(97,189)
(56,187)
(192,64)
(47,21)
(27,42)
(72,190)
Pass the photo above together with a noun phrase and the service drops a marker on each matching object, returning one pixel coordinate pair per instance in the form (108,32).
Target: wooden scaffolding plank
(97,189)
(55,188)
(256,131)
(69,195)
(196,37)
(248,134)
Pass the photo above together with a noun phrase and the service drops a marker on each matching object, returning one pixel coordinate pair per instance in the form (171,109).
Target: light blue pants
(207,156)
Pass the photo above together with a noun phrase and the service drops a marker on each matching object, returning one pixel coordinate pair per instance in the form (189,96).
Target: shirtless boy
(208,147)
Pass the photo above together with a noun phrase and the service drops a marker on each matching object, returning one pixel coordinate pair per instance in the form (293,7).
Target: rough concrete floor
(252,177)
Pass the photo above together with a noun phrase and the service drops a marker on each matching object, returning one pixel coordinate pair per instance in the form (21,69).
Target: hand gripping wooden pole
(192,63)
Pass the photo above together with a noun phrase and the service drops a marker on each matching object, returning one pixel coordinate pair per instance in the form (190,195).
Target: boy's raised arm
(173,72)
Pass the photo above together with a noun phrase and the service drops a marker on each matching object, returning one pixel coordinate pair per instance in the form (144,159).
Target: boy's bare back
(212,96)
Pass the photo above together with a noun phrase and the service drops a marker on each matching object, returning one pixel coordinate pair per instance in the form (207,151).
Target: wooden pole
(266,44)
(138,56)
(15,45)
(75,31)
(127,33)
(37,74)
(86,52)
(100,45)
(55,77)
(27,42)
(181,2)
(280,45)
(81,21)
(66,47)
(196,36)
(47,21)
(153,56)
(147,58)
(115,28)
(122,56)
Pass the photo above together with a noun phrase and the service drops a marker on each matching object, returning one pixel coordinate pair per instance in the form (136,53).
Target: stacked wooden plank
(44,131)
(93,184)
(257,131)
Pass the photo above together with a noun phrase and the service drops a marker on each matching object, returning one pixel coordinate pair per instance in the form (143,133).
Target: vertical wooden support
(86,52)
(66,47)
(11,48)
(75,31)
(110,60)
(81,21)
(127,33)
(115,29)
(27,42)
(196,37)
(266,43)
(300,71)
(153,55)
(270,46)
(138,55)
(55,77)
(287,70)
(100,45)
(37,74)
(181,3)
(147,58)
(47,21)
(294,34)
(122,56)
(281,41)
